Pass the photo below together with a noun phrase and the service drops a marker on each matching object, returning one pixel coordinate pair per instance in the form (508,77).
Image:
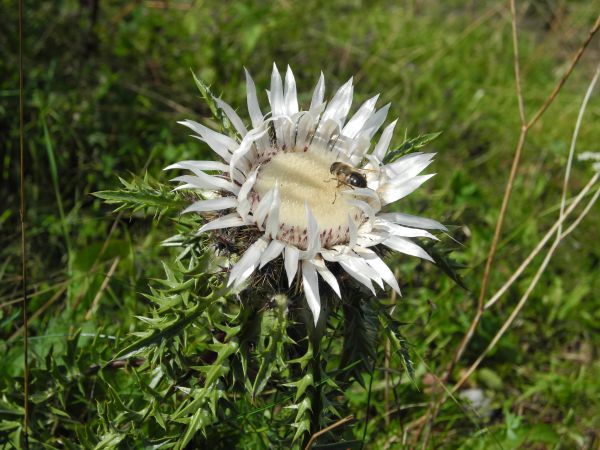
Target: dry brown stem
(525,126)
(320,433)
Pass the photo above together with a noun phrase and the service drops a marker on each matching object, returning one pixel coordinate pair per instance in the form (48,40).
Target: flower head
(307,181)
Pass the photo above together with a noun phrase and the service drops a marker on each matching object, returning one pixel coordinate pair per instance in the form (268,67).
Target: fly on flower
(275,177)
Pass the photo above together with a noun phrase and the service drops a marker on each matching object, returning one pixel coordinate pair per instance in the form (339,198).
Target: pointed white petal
(291,262)
(356,274)
(304,127)
(326,134)
(247,263)
(220,143)
(186,186)
(364,207)
(371,239)
(204,181)
(272,224)
(310,282)
(233,117)
(276,93)
(375,121)
(273,251)
(357,150)
(253,107)
(318,94)
(289,97)
(355,124)
(260,212)
(333,254)
(213,204)
(318,110)
(314,239)
(359,265)
(381,267)
(227,221)
(327,276)
(244,204)
(287,130)
(393,192)
(413,221)
(280,125)
(410,165)
(218,148)
(199,165)
(384,142)
(374,200)
(353,232)
(240,160)
(339,106)
(399,230)
(239,165)
(200,174)
(406,246)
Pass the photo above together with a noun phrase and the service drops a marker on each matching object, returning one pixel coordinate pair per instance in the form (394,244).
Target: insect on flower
(348,175)
(274,186)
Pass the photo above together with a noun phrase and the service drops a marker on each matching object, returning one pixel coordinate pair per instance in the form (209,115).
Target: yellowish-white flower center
(304,178)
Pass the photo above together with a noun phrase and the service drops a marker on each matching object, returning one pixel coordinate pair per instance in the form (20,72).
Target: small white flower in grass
(591,156)
(307,182)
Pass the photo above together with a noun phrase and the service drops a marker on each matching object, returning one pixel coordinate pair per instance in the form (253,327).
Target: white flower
(591,156)
(277,177)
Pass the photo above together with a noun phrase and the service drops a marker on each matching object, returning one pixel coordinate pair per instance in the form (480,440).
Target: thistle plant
(275,300)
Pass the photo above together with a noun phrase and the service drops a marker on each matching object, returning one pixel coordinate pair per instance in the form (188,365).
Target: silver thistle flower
(306,181)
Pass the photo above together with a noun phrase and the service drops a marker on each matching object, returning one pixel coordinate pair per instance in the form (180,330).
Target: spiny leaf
(216,111)
(391,329)
(199,398)
(410,145)
(303,360)
(220,367)
(360,339)
(302,419)
(270,346)
(155,336)
(440,252)
(143,194)
(301,385)
(198,421)
(110,440)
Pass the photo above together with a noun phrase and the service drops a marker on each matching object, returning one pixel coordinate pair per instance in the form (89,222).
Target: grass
(104,92)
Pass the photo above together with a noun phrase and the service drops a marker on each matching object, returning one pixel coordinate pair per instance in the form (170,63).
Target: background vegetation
(106,83)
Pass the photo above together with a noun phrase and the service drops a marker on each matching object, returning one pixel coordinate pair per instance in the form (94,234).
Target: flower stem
(316,392)
(317,400)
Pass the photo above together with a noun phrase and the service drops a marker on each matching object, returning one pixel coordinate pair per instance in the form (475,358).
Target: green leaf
(301,385)
(220,367)
(199,421)
(400,345)
(59,412)
(302,419)
(440,252)
(174,327)
(410,145)
(144,194)
(360,339)
(216,111)
(110,440)
(270,346)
